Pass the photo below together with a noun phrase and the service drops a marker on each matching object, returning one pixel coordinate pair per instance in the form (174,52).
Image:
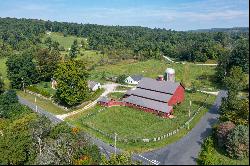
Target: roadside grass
(200,76)
(115,95)
(47,105)
(131,123)
(3,71)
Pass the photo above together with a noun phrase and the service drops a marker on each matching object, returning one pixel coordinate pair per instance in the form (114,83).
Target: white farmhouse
(135,79)
(92,85)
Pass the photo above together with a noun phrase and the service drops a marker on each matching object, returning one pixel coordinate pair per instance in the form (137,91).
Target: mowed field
(187,73)
(131,123)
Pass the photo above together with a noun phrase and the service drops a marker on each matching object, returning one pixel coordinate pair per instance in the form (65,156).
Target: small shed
(92,85)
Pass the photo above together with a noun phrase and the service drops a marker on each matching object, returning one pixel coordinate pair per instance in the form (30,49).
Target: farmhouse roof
(155,105)
(168,87)
(91,84)
(136,77)
(162,97)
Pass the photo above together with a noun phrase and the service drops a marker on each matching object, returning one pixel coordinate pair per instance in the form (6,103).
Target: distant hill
(230,30)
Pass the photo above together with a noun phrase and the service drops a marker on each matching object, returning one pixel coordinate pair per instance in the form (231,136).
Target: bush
(206,156)
(223,130)
(237,144)
(121,79)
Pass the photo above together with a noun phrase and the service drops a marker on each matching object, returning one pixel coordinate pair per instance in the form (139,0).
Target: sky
(168,14)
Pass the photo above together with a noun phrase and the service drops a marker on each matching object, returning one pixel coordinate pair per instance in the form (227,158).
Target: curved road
(185,151)
(182,152)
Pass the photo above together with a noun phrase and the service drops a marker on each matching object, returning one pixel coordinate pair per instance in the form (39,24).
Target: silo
(170,75)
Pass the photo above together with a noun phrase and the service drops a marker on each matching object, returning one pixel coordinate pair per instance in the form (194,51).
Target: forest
(123,41)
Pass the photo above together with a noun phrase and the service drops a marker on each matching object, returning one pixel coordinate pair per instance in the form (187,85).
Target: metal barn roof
(162,97)
(159,86)
(155,105)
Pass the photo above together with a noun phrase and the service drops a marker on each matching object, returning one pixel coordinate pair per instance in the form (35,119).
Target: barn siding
(177,97)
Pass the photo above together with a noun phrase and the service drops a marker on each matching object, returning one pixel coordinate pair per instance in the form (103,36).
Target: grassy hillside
(187,73)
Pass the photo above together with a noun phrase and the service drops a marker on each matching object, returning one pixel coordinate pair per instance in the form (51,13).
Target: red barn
(157,96)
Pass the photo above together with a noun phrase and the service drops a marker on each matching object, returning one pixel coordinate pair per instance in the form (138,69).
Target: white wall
(129,80)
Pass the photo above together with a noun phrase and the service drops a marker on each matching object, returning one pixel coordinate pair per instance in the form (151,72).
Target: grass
(3,71)
(131,123)
(66,42)
(119,88)
(45,104)
(115,95)
(187,73)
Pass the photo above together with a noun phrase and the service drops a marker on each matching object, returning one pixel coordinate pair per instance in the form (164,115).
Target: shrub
(237,144)
(206,156)
(223,130)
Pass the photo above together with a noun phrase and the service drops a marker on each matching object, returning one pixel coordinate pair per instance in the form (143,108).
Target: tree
(21,70)
(236,111)
(121,79)
(222,132)
(71,78)
(16,143)
(73,50)
(240,55)
(235,81)
(119,159)
(238,142)
(47,63)
(1,84)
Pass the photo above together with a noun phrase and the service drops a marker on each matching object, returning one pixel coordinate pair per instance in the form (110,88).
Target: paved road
(185,151)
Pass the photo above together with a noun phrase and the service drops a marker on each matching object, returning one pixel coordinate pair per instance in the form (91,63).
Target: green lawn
(118,88)
(45,104)
(187,73)
(131,123)
(3,71)
(115,95)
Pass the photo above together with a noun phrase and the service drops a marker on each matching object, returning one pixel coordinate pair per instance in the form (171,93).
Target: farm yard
(133,124)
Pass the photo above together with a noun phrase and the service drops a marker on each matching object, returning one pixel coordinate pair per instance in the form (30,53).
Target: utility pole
(115,143)
(189,111)
(35,102)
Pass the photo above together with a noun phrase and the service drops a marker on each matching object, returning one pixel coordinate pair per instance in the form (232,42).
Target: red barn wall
(178,96)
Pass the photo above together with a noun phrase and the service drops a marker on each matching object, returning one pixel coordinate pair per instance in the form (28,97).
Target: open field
(66,42)
(131,123)
(187,73)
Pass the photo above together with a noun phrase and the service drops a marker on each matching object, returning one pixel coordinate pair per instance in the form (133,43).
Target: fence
(145,140)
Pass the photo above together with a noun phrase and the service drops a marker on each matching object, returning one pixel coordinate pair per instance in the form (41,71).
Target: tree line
(123,41)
